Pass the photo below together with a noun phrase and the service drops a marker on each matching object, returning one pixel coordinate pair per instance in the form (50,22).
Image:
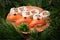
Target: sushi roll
(44,14)
(34,11)
(36,16)
(12,11)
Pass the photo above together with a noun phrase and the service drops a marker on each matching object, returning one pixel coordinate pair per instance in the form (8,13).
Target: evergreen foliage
(8,32)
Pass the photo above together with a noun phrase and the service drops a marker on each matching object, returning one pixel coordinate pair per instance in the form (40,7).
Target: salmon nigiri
(37,22)
(23,19)
(13,15)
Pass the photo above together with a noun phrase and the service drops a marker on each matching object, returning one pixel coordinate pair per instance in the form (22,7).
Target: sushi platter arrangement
(29,18)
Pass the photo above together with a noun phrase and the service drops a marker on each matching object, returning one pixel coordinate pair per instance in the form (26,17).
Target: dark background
(7,31)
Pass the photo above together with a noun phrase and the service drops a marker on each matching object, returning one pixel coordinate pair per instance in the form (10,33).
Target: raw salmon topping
(29,14)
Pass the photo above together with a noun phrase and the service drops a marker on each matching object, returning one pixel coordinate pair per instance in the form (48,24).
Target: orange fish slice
(35,22)
(12,17)
(23,19)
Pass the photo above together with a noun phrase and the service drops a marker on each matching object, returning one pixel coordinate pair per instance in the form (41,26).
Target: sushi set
(34,17)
